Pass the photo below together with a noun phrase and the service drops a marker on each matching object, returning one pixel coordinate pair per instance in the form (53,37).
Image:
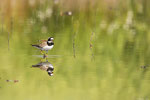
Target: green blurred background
(101,49)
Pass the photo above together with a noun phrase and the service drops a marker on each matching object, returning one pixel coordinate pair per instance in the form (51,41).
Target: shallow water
(102,76)
(93,59)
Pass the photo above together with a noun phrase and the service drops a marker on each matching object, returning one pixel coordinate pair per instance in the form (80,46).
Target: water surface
(95,57)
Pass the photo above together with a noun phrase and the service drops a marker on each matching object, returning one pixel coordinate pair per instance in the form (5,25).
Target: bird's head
(51,39)
(50,71)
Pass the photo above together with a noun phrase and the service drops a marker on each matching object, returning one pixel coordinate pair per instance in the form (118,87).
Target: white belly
(47,48)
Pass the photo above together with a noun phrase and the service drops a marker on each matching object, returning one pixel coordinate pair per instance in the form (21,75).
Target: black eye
(49,39)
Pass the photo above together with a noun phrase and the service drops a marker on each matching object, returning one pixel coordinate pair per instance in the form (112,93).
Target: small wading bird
(45,45)
(45,66)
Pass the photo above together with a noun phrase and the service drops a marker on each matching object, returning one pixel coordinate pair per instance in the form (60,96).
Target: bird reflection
(47,66)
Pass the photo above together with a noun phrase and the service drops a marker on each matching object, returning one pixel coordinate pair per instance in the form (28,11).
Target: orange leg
(42,52)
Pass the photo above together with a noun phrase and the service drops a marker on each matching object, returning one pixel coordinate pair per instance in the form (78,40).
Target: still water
(93,58)
(89,75)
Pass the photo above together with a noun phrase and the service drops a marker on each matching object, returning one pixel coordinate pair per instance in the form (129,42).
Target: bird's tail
(35,65)
(37,46)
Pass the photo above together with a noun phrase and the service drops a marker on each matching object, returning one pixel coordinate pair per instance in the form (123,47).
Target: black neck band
(50,44)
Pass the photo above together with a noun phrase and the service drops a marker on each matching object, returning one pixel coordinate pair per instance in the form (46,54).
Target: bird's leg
(46,59)
(46,53)
(41,52)
(44,56)
(41,60)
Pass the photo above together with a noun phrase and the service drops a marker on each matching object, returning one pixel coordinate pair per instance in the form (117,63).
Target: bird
(45,45)
(47,66)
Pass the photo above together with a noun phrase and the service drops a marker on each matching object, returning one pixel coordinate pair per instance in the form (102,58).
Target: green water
(99,53)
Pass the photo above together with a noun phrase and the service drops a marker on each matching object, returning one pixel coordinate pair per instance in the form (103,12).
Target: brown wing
(43,67)
(42,40)
(43,44)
